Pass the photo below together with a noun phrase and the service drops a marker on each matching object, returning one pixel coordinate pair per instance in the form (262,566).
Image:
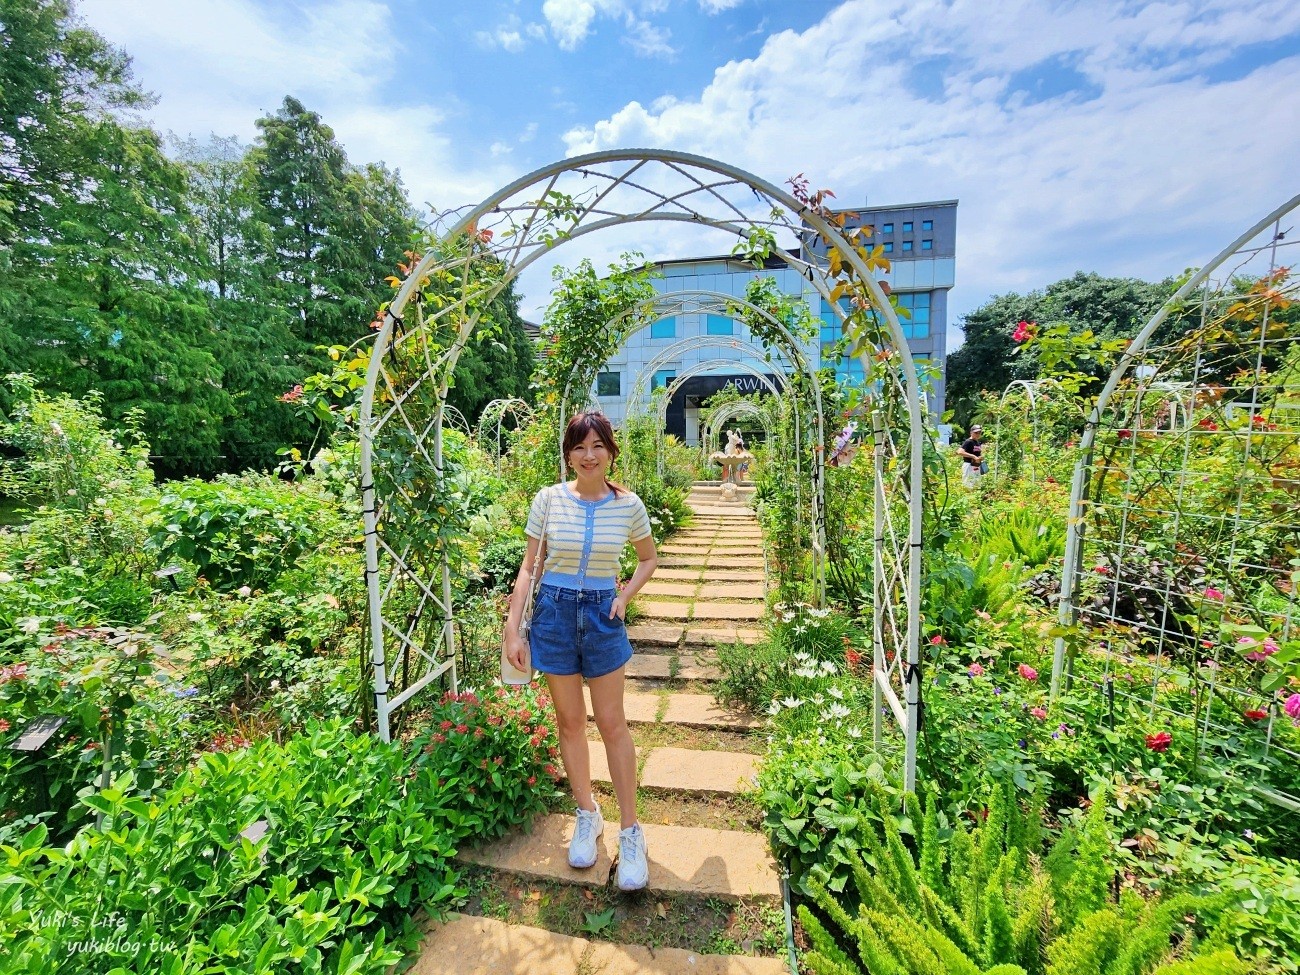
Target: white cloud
(717,6)
(1152,174)
(647,40)
(569,20)
(509,36)
(221,64)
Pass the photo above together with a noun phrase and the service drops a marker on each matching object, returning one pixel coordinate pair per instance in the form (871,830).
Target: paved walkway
(709,589)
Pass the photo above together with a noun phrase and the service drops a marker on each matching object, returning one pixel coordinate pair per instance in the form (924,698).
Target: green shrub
(240,531)
(359,834)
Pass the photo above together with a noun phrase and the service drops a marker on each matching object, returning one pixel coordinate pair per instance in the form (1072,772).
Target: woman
(578,630)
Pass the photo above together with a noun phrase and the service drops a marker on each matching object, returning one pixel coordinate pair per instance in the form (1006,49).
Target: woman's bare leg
(607,703)
(571,721)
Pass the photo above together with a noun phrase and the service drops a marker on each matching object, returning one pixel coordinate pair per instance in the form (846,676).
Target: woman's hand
(516,649)
(618,608)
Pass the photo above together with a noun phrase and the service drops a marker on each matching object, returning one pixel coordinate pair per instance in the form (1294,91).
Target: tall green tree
(987,360)
(334,231)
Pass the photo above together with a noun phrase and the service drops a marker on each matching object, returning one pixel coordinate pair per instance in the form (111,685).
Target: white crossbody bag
(509,673)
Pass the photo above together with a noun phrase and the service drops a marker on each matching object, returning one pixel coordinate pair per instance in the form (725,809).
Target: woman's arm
(647,560)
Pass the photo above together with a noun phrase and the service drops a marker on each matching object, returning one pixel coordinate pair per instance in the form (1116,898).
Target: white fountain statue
(731,459)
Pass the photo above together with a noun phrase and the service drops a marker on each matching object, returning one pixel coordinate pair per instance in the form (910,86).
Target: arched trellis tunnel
(726,413)
(1182,509)
(405,480)
(493,415)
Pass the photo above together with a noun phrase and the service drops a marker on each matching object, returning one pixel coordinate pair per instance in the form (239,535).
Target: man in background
(971,453)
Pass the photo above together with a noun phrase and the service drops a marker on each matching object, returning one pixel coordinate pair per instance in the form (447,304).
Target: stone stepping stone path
(709,589)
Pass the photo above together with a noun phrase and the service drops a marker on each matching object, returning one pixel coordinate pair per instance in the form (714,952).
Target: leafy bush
(359,833)
(239,531)
(496,749)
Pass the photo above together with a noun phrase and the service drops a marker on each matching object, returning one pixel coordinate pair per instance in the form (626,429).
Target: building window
(927,224)
(907,226)
(907,245)
(887,228)
(916,323)
(717,325)
(665,328)
(609,384)
(662,378)
(889,247)
(927,245)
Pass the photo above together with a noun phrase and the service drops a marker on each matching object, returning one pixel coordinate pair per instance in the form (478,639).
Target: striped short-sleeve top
(584,539)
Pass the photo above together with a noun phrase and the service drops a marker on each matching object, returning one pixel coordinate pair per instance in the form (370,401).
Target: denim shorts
(573,634)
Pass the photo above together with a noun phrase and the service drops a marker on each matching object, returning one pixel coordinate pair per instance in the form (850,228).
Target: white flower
(803,657)
(195,617)
(30,625)
(837,711)
(818,700)
(5,577)
(836,693)
(806,672)
(821,614)
(791,702)
(245,591)
(72,492)
(774,707)
(855,732)
(801,629)
(275,684)
(58,430)
(828,667)
(779,607)
(787,617)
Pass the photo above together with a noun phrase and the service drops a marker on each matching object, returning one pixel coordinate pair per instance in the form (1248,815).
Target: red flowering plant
(493,756)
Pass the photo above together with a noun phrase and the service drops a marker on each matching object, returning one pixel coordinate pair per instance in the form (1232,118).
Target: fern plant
(990,905)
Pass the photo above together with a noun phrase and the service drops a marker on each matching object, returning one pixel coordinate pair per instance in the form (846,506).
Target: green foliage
(987,360)
(496,749)
(357,837)
(237,532)
(891,920)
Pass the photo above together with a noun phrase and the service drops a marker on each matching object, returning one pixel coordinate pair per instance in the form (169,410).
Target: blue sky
(1125,138)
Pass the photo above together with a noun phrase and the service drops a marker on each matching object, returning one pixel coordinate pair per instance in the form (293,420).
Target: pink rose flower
(1292,706)
(976,670)
(1028,672)
(1039,713)
(1212,593)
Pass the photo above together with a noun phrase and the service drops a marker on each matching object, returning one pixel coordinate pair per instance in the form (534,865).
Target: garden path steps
(709,590)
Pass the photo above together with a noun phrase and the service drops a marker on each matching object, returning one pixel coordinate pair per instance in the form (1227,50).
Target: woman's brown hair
(581,425)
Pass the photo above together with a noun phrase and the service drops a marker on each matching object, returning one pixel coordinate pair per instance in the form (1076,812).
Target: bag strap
(535,578)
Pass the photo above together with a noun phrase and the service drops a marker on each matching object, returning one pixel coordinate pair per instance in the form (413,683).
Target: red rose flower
(1256,714)
(1160,742)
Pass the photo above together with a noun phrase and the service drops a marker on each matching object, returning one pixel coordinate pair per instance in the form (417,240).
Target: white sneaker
(633,871)
(586,836)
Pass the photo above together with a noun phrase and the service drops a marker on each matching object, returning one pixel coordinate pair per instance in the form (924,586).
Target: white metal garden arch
(493,416)
(1032,390)
(1200,520)
(404,474)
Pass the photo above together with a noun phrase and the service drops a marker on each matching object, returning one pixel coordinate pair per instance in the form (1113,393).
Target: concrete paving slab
(545,852)
(655,635)
(653,588)
(721,773)
(465,945)
(638,708)
(654,666)
(728,611)
(689,668)
(736,561)
(663,611)
(697,636)
(677,574)
(720,575)
(678,548)
(702,711)
(604,958)
(683,562)
(711,863)
(737,590)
